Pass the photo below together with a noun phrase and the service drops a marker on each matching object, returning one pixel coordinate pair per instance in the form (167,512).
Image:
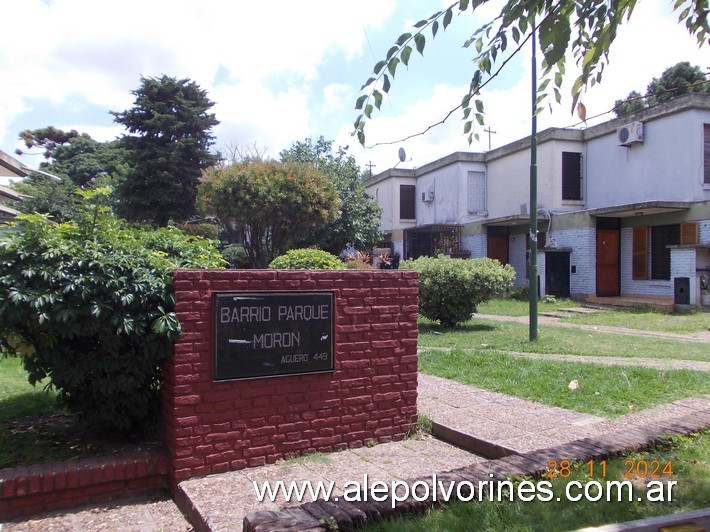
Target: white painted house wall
(386,192)
(449,185)
(666,166)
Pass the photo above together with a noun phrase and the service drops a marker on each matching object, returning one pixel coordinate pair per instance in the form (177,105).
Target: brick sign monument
(272,364)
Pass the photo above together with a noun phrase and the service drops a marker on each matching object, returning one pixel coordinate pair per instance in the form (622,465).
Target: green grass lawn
(480,333)
(608,391)
(633,318)
(690,458)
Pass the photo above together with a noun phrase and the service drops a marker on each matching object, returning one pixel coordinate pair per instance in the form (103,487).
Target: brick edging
(35,489)
(319,514)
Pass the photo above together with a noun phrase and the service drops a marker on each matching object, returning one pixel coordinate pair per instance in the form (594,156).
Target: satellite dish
(402,155)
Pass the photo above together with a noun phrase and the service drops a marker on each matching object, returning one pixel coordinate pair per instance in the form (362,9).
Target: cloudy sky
(282,71)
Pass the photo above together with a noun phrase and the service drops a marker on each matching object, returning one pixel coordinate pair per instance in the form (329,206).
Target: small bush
(450,290)
(521,293)
(307,259)
(359,260)
(205,230)
(88,305)
(236,256)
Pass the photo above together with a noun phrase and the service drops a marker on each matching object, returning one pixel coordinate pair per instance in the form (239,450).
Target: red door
(498,247)
(608,262)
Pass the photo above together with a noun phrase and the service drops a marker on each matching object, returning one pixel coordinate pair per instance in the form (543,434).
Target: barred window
(477,192)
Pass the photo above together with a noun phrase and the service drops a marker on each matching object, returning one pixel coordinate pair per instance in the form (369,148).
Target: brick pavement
(517,437)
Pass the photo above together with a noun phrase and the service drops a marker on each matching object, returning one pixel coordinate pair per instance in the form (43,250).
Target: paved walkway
(654,363)
(558,321)
(503,435)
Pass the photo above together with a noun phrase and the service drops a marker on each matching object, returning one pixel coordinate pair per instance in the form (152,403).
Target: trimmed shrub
(307,259)
(450,290)
(88,305)
(205,230)
(236,256)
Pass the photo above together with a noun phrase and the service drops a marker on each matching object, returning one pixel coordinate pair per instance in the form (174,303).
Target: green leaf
(434,28)
(403,38)
(516,35)
(447,17)
(463,5)
(392,51)
(479,106)
(368,111)
(479,118)
(555,32)
(406,53)
(420,42)
(377,95)
(421,23)
(360,101)
(386,83)
(558,79)
(379,66)
(467,127)
(392,65)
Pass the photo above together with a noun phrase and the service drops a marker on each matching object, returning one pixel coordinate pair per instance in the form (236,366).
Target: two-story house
(623,207)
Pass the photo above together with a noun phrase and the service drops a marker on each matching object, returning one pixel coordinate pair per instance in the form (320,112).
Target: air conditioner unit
(630,134)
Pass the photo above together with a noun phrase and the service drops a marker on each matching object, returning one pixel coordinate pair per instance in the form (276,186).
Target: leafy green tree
(88,305)
(274,205)
(77,159)
(586,28)
(635,101)
(75,156)
(359,220)
(168,148)
(682,78)
(58,199)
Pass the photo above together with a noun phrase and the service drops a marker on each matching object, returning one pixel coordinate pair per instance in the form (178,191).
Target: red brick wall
(213,427)
(31,490)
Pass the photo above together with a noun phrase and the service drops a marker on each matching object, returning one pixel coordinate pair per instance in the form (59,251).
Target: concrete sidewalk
(491,433)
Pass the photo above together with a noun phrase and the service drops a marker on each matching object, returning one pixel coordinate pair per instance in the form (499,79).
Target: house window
(706,154)
(663,236)
(476,192)
(639,265)
(407,194)
(571,175)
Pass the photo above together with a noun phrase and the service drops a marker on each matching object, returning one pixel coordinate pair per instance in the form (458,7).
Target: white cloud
(637,55)
(96,51)
(264,64)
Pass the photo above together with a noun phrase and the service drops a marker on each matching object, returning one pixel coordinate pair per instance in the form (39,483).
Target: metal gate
(432,240)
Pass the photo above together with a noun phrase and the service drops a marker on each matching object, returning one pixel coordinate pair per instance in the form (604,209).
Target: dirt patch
(63,436)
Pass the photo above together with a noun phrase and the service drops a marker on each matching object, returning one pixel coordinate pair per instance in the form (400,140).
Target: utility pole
(532,278)
(370,166)
(489,131)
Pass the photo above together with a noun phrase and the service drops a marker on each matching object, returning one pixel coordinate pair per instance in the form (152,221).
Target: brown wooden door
(608,262)
(498,247)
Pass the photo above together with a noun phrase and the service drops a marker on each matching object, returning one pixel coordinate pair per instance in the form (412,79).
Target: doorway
(497,244)
(608,257)
(557,273)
